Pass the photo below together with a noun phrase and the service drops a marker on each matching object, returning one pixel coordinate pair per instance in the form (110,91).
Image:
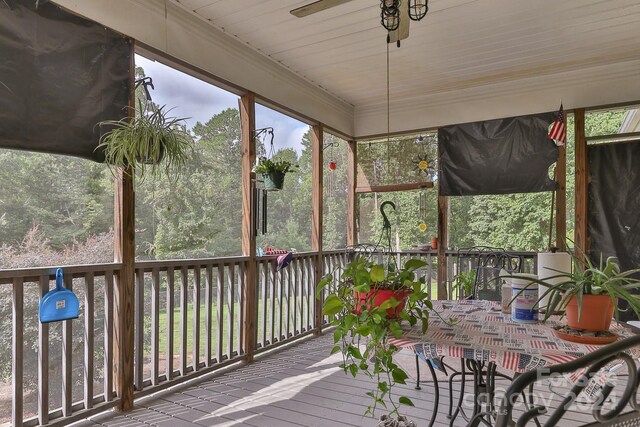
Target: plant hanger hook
(386,224)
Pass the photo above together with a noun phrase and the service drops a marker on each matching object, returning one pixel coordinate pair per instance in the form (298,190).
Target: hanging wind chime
(422,206)
(331,185)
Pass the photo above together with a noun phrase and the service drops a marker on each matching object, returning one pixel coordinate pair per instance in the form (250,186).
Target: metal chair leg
(418,373)
(462,382)
(436,389)
(451,377)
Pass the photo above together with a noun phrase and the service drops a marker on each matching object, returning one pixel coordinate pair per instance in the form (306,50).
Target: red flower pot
(379,296)
(597,312)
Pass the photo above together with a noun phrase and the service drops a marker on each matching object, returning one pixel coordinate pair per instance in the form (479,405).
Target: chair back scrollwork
(604,409)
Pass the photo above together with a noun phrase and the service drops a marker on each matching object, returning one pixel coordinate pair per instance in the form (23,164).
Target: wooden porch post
(443,222)
(582,182)
(317,139)
(561,198)
(124,252)
(352,183)
(250,303)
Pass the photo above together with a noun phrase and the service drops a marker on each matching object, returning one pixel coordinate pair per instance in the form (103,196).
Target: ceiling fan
(395,14)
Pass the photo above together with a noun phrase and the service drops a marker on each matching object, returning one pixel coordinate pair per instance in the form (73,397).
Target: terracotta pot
(597,312)
(434,243)
(363,299)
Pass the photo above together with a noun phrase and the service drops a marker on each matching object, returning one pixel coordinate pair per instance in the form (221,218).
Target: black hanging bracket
(145,82)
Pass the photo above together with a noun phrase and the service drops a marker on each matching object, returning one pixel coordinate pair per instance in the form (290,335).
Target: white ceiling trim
(601,85)
(171,29)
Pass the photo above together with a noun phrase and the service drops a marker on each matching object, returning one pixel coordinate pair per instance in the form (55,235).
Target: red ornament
(332,166)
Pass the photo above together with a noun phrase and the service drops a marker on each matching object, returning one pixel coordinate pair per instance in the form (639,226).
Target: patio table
(482,333)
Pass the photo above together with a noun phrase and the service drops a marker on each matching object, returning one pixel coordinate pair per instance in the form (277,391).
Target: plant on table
(273,172)
(365,320)
(591,293)
(150,143)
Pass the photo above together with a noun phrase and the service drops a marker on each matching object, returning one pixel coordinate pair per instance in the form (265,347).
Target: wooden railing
(285,300)
(188,320)
(77,352)
(188,315)
(430,271)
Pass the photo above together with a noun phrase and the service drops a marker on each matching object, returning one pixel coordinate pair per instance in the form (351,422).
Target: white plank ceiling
(460,44)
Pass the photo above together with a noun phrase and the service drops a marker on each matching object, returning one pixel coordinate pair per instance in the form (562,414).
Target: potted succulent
(367,303)
(273,172)
(590,294)
(151,142)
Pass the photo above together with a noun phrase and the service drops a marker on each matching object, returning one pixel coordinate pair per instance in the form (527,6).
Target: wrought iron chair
(488,264)
(588,367)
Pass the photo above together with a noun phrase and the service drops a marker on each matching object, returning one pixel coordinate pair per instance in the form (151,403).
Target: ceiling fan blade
(316,6)
(403,29)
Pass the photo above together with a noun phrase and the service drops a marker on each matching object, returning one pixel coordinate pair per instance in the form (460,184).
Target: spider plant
(588,279)
(151,142)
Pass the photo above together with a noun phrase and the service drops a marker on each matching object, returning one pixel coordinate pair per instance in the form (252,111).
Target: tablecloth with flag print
(482,332)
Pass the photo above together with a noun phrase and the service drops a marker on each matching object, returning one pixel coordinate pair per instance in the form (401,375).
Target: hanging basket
(273,181)
(148,159)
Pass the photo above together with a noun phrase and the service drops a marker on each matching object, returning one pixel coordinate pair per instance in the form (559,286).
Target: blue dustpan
(58,304)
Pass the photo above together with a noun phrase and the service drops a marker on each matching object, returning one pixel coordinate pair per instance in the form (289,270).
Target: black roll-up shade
(60,75)
(614,205)
(502,156)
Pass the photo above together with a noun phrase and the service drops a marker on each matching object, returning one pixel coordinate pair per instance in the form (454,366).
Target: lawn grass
(215,327)
(162,339)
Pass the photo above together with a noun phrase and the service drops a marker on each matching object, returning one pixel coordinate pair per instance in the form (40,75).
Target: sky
(198,101)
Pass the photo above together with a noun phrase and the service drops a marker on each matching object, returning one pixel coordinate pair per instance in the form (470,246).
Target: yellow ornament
(422,227)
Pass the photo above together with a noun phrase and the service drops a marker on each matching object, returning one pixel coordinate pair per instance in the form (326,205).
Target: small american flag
(558,131)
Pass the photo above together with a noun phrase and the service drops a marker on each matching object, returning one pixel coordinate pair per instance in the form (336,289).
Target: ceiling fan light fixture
(390,22)
(390,4)
(390,14)
(418,9)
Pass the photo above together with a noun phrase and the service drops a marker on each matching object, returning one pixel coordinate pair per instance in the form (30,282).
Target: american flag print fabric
(513,346)
(558,131)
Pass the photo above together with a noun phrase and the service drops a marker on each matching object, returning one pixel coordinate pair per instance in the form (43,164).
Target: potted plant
(367,303)
(150,142)
(590,294)
(273,172)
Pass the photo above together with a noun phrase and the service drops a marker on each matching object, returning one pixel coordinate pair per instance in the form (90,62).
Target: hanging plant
(273,172)
(151,143)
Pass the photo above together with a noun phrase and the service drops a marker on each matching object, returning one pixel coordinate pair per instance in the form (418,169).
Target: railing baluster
(230,300)
(184,284)
(293,268)
(43,361)
(303,293)
(88,340)
(170,322)
(155,325)
(274,278)
(286,277)
(429,271)
(220,311)
(208,296)
(196,317)
(139,329)
(67,353)
(265,288)
(310,293)
(241,312)
(108,336)
(280,305)
(17,367)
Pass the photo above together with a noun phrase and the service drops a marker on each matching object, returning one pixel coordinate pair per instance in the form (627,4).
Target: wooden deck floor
(297,386)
